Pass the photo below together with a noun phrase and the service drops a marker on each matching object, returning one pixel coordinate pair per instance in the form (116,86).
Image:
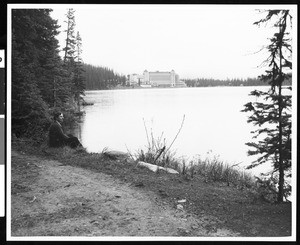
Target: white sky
(210,41)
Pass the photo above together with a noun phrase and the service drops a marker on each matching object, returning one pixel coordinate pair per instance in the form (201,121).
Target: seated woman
(57,137)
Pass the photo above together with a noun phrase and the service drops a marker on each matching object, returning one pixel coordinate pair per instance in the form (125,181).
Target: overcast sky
(207,41)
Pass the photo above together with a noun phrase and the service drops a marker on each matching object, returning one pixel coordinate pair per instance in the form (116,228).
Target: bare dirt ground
(52,199)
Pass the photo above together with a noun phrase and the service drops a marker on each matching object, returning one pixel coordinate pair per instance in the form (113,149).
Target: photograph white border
(293,7)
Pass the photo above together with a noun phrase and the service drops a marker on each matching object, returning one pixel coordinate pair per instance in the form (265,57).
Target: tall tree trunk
(67,41)
(54,93)
(281,167)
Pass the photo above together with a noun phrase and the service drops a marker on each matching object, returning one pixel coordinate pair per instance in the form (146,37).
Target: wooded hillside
(101,78)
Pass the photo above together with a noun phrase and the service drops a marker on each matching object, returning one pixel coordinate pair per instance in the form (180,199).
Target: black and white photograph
(151,122)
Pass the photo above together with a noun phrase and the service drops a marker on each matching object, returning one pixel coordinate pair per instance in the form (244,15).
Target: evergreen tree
(40,78)
(101,77)
(50,71)
(73,62)
(69,55)
(69,49)
(79,82)
(274,142)
(32,45)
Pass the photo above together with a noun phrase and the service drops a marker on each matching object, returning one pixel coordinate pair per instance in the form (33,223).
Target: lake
(213,122)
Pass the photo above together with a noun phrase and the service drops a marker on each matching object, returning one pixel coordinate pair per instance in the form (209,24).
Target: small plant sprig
(157,150)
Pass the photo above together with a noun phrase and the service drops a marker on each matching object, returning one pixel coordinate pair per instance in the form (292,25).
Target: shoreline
(158,87)
(227,205)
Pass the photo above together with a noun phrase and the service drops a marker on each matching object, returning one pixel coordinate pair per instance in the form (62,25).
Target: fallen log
(155,168)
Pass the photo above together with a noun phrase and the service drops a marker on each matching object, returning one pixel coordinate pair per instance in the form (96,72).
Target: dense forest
(210,82)
(42,81)
(101,78)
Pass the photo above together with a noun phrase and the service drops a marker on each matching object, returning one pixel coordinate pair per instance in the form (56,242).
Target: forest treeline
(210,82)
(97,78)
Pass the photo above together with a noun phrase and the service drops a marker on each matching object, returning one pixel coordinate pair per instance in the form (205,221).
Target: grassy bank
(210,169)
(205,187)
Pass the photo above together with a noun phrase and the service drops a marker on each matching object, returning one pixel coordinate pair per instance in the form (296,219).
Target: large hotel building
(156,79)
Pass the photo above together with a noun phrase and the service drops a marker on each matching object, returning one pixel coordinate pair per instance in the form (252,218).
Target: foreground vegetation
(238,207)
(271,113)
(210,169)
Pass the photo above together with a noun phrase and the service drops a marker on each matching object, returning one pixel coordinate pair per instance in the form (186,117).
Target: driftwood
(155,168)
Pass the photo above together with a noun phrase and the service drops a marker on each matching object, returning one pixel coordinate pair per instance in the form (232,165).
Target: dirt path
(52,199)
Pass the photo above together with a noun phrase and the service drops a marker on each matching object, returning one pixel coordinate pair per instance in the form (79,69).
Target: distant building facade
(156,79)
(135,79)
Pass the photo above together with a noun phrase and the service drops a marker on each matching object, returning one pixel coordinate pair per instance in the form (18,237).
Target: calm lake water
(213,126)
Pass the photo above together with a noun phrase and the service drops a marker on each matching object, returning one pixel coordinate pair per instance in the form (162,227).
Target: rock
(139,184)
(163,193)
(116,155)
(179,206)
(194,227)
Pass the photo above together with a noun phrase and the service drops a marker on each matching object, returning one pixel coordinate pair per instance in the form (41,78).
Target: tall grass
(217,170)
(157,151)
(211,169)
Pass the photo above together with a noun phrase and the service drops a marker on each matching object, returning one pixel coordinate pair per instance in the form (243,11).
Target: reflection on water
(213,121)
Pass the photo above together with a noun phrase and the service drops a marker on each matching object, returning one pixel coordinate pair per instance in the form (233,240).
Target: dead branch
(177,133)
